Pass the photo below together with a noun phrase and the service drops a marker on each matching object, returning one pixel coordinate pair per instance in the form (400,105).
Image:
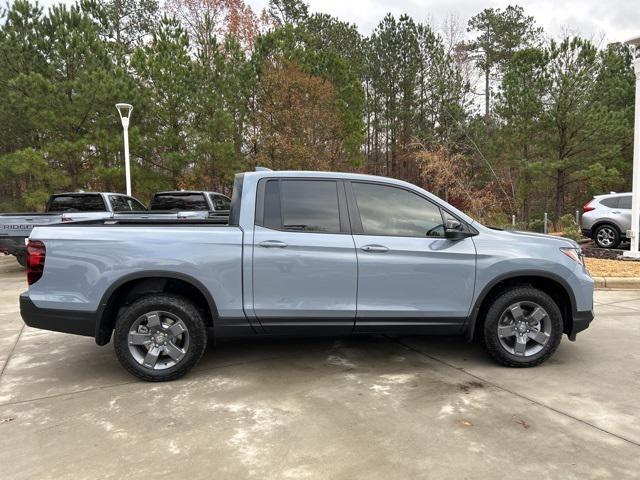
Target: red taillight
(587,207)
(36,253)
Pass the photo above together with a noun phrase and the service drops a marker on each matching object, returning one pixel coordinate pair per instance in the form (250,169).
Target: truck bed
(86,259)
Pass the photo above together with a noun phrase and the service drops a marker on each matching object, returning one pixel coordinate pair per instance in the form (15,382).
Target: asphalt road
(337,408)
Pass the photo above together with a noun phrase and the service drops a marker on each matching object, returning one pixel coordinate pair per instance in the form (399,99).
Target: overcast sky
(611,20)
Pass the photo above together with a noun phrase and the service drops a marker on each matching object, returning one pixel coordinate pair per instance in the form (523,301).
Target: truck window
(77,203)
(120,203)
(625,202)
(179,201)
(302,206)
(386,210)
(220,202)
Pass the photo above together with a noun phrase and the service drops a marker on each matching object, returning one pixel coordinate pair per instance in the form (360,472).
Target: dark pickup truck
(15,228)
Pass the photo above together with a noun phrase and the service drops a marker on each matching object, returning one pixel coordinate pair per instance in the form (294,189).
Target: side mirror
(453,230)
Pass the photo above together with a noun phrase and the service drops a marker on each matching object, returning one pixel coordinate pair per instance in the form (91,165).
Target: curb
(623,283)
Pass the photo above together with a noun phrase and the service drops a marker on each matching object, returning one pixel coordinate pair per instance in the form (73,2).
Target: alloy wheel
(158,340)
(524,328)
(606,237)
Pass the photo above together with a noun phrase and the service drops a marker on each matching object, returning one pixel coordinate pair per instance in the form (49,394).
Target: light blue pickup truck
(306,253)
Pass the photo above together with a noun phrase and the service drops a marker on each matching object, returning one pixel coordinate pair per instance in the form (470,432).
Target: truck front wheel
(523,327)
(160,337)
(22,259)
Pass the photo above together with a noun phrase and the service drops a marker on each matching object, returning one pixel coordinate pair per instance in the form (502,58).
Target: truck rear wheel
(523,327)
(160,337)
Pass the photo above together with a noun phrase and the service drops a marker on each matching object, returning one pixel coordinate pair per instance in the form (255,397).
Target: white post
(546,219)
(127,166)
(124,110)
(634,252)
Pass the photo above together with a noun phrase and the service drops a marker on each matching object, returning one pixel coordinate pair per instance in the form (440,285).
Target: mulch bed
(591,251)
(605,262)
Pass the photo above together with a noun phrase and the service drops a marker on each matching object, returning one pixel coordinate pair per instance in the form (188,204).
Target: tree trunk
(559,207)
(487,94)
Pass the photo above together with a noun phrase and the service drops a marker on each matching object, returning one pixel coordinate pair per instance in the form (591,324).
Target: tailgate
(21,225)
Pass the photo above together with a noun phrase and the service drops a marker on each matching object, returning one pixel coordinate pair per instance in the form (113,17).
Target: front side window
(120,203)
(220,202)
(77,203)
(386,210)
(302,205)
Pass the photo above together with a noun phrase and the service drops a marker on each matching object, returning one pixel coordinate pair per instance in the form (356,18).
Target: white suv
(607,218)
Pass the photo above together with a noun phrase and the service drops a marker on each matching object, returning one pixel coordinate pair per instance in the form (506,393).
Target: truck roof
(187,192)
(256,175)
(87,193)
(321,174)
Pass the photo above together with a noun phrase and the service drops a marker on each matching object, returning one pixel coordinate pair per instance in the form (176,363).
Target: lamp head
(124,110)
(634,43)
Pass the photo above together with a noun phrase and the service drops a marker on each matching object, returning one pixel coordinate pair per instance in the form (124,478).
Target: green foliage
(569,227)
(211,93)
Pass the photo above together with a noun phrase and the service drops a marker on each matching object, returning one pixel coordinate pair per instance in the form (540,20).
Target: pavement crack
(512,392)
(13,347)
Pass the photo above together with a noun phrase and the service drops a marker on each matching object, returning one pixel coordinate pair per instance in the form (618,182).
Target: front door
(410,277)
(304,260)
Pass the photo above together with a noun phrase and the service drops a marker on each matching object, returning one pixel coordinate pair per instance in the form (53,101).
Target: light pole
(633,234)
(124,110)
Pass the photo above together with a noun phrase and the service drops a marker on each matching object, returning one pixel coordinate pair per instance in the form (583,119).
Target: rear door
(304,260)
(410,277)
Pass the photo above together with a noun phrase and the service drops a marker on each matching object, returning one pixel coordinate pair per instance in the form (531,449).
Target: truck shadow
(348,352)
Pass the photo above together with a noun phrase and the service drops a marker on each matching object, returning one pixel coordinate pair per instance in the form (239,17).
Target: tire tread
(501,301)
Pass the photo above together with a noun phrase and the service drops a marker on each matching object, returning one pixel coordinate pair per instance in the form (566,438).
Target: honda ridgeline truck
(306,253)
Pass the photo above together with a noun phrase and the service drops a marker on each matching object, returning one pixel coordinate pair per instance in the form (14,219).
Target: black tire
(499,305)
(608,242)
(22,259)
(176,305)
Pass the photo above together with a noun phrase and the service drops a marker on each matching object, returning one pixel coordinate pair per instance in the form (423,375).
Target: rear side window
(625,202)
(610,202)
(77,203)
(302,206)
(179,201)
(220,202)
(387,210)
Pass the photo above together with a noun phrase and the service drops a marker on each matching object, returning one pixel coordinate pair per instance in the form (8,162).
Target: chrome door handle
(616,213)
(375,248)
(272,244)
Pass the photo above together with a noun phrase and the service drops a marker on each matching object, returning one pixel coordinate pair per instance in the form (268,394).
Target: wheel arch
(553,285)
(132,286)
(605,221)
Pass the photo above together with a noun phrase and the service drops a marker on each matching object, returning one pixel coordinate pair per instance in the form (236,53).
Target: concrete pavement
(365,407)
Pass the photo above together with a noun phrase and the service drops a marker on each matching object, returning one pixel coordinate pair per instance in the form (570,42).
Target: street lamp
(124,110)
(633,234)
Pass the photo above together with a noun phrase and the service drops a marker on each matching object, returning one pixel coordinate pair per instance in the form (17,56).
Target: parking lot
(365,407)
